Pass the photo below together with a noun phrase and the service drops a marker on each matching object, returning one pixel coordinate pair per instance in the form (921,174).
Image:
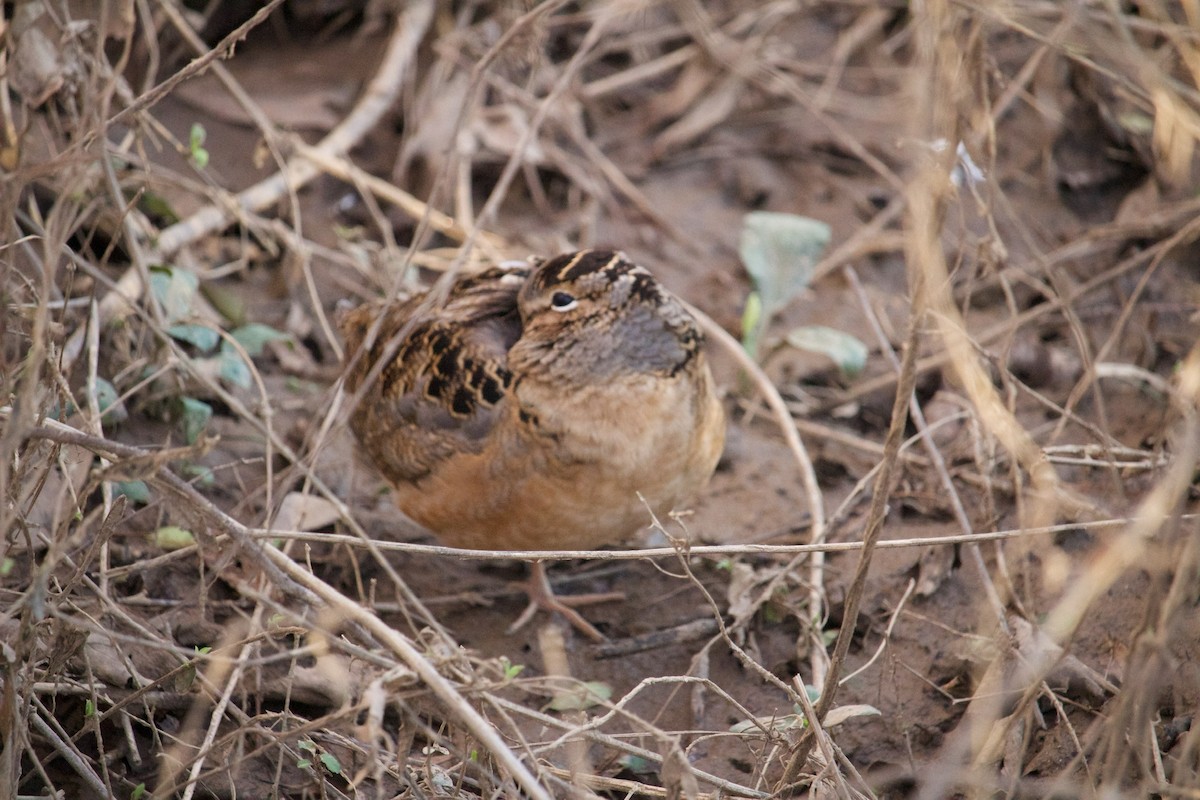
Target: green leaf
(780,252)
(303,763)
(89,707)
(847,351)
(230,302)
(586,695)
(200,474)
(137,491)
(108,399)
(331,763)
(202,337)
(6,566)
(138,792)
(511,670)
(233,367)
(637,765)
(252,337)
(175,289)
(194,415)
(196,137)
(307,744)
(155,205)
(173,537)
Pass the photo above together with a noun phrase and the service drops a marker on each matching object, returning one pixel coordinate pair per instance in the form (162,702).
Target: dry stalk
(376,100)
(292,578)
(935,455)
(873,528)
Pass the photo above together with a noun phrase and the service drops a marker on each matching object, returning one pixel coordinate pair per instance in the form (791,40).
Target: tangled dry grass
(195,600)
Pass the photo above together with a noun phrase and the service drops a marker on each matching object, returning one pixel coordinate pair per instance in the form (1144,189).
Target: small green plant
(781,251)
(176,290)
(511,670)
(328,760)
(196,137)
(137,491)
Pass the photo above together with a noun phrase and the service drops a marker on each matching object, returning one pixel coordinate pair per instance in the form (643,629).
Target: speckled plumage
(531,407)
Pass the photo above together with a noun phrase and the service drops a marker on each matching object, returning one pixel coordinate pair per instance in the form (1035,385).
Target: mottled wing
(443,374)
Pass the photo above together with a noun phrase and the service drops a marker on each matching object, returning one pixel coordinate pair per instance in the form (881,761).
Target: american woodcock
(531,406)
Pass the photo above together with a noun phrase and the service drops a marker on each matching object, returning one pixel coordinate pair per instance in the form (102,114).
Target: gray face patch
(624,323)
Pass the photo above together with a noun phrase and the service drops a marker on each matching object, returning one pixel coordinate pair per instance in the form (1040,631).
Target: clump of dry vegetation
(976,576)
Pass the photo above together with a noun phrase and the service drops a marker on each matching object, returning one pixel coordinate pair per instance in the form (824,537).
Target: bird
(542,405)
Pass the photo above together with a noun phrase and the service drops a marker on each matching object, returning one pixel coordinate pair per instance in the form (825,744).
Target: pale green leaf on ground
(173,537)
(136,491)
(847,351)
(198,474)
(583,696)
(637,764)
(233,367)
(331,763)
(780,251)
(194,416)
(108,400)
(252,337)
(202,337)
(175,289)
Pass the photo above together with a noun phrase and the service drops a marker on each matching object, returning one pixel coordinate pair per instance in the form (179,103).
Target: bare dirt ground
(989,591)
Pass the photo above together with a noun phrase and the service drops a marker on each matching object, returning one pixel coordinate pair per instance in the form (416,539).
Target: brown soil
(1072,264)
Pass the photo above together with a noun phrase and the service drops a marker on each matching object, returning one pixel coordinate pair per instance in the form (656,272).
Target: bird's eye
(561,301)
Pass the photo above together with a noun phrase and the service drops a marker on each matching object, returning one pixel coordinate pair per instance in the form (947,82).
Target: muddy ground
(195,668)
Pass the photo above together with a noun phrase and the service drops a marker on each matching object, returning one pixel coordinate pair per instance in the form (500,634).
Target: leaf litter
(180,491)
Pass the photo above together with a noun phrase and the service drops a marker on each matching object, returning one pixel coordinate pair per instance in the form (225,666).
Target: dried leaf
(305,512)
(840,714)
(712,109)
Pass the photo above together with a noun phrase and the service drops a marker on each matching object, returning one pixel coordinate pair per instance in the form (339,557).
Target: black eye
(561,301)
